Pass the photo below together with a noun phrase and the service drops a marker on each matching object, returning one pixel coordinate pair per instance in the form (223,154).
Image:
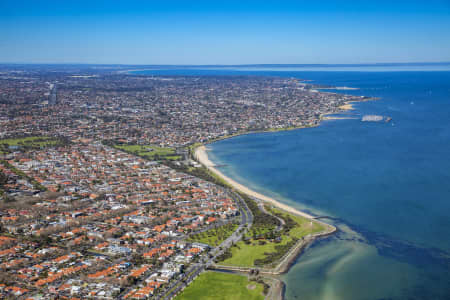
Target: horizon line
(382,64)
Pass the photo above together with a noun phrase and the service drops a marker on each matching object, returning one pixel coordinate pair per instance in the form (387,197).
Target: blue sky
(228,32)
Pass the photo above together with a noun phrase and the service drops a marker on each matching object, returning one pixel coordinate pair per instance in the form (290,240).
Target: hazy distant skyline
(233,32)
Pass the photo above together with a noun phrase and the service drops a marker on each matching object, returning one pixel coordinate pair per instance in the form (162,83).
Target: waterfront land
(98,193)
(267,248)
(347,106)
(202,157)
(214,236)
(256,250)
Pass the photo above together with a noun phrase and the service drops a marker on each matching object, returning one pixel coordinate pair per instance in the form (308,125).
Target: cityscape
(224,150)
(101,194)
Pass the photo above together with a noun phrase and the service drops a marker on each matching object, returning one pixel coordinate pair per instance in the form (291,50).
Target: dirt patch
(251,286)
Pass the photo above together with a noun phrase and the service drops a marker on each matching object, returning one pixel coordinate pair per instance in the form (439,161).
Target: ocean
(386,186)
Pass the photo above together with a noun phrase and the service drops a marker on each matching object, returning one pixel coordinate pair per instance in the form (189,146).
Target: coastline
(199,153)
(202,157)
(278,287)
(347,106)
(323,117)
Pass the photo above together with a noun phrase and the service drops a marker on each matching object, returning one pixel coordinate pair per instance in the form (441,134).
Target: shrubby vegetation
(280,250)
(262,222)
(36,184)
(214,236)
(227,254)
(270,247)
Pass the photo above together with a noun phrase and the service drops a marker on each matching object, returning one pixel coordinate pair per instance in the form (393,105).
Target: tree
(3,178)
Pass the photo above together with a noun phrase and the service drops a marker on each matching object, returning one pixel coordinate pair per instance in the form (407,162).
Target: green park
(214,236)
(263,246)
(149,151)
(222,286)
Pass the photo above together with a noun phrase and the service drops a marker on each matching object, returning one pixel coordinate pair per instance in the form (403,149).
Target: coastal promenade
(202,157)
(206,263)
(283,264)
(200,154)
(286,261)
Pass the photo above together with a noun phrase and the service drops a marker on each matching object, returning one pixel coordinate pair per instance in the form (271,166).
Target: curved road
(204,263)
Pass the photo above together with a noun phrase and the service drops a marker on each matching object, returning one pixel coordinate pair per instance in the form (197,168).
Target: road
(262,208)
(194,270)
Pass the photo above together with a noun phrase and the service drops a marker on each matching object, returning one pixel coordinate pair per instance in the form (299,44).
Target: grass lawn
(150,152)
(304,226)
(193,146)
(245,254)
(214,285)
(32,142)
(260,229)
(215,236)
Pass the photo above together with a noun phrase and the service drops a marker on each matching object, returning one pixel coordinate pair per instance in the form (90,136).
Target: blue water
(386,185)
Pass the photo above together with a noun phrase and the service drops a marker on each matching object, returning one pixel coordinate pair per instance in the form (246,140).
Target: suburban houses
(83,216)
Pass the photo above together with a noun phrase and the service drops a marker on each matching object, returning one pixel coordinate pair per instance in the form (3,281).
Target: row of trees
(35,143)
(36,184)
(279,252)
(260,218)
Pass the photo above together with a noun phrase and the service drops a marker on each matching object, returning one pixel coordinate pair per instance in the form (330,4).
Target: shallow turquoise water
(386,186)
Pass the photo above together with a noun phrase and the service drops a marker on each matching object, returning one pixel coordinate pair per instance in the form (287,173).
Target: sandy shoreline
(347,106)
(201,155)
(325,118)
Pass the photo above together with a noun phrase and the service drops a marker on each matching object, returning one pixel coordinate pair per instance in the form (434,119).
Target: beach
(325,118)
(202,157)
(347,106)
(352,171)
